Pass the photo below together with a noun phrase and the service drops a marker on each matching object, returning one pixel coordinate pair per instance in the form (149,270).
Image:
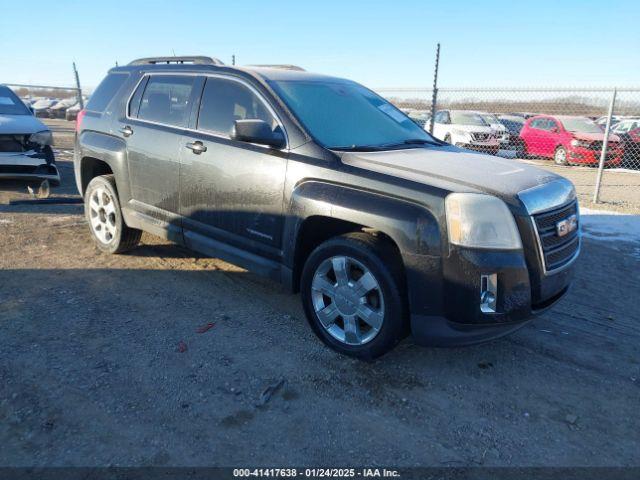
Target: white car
(499,129)
(465,129)
(41,107)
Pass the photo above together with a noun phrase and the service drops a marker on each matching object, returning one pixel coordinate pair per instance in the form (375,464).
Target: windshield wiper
(414,141)
(358,148)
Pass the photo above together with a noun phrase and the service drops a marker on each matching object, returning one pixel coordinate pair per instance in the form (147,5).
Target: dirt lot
(94,371)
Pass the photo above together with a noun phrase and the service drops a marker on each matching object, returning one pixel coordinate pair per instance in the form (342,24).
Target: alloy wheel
(348,300)
(102,214)
(561,156)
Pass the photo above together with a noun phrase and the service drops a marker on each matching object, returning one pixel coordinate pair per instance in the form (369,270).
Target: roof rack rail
(283,67)
(196,60)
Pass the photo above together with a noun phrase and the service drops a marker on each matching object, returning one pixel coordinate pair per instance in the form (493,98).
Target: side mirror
(257,131)
(555,130)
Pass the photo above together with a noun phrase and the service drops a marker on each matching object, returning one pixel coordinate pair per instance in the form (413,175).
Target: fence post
(79,90)
(605,146)
(434,97)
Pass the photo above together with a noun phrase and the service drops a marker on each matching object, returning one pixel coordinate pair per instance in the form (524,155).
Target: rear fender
(109,149)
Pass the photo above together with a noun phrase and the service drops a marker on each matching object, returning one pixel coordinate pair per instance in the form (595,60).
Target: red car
(569,140)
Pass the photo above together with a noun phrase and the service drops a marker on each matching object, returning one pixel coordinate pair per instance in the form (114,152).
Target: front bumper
(592,157)
(484,147)
(29,166)
(462,322)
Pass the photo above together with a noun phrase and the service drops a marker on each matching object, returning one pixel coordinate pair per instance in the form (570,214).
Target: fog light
(488,293)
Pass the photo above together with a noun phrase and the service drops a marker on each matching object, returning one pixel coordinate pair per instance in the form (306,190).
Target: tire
(366,257)
(560,156)
(103,214)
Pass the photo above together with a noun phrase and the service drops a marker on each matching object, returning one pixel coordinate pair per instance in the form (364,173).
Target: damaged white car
(25,143)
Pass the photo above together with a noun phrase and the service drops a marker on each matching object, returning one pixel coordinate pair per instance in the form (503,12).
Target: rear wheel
(352,293)
(560,156)
(102,210)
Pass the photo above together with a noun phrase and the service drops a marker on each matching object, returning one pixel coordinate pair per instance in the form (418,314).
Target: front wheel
(102,210)
(560,156)
(352,294)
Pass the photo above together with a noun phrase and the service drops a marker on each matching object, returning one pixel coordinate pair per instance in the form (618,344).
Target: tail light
(79,119)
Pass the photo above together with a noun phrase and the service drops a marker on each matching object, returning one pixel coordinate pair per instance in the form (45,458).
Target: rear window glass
(106,91)
(167,100)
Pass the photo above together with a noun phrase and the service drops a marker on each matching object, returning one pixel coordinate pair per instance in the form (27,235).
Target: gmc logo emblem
(567,226)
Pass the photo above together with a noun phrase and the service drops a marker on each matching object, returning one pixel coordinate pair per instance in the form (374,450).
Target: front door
(158,114)
(231,191)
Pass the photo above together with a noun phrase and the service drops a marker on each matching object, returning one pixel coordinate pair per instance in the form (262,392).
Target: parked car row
(46,107)
(566,139)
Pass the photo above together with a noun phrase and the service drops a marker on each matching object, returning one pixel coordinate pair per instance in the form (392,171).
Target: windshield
(10,104)
(581,125)
(347,115)
(512,125)
(463,118)
(489,118)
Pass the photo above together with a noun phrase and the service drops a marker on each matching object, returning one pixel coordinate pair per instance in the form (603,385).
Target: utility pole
(434,97)
(233,59)
(605,147)
(79,90)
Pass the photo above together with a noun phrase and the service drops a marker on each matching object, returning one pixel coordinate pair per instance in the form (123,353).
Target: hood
(454,169)
(20,124)
(592,137)
(472,128)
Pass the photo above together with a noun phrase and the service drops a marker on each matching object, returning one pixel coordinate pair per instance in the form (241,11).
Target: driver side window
(224,101)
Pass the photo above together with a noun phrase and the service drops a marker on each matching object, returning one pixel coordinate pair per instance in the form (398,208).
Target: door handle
(127,131)
(196,147)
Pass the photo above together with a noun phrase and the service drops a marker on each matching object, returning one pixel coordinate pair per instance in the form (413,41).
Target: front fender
(414,229)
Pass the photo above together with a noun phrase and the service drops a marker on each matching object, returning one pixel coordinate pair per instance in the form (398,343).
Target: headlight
(579,143)
(42,138)
(481,221)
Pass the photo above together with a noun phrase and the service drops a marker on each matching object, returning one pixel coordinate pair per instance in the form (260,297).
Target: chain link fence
(49,101)
(562,130)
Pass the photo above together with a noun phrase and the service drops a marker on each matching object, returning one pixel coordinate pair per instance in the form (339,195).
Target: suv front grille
(557,251)
(481,137)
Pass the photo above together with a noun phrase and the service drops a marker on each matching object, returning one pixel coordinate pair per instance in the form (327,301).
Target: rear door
(534,136)
(233,191)
(157,117)
(549,137)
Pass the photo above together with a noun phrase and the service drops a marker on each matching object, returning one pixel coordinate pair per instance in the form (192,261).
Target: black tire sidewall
(103,182)
(394,325)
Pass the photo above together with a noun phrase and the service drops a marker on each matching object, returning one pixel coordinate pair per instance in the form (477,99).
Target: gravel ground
(105,361)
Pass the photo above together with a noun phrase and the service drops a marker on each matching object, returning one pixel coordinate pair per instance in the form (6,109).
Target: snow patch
(608,225)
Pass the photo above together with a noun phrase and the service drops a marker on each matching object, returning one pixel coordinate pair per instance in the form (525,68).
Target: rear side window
(167,100)
(225,101)
(106,91)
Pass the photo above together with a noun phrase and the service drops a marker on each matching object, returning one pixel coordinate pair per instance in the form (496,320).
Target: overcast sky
(379,43)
